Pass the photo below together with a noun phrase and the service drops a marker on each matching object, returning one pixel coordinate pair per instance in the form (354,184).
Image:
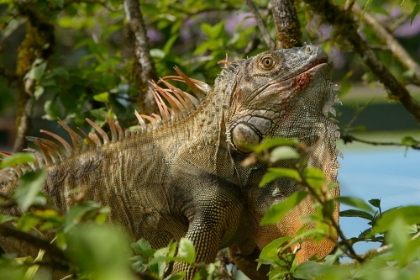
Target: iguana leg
(215,223)
(245,256)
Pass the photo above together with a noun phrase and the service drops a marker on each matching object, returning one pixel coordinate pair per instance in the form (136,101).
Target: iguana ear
(244,136)
(249,132)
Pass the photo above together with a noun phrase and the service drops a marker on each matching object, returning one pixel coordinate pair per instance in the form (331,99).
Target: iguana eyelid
(269,62)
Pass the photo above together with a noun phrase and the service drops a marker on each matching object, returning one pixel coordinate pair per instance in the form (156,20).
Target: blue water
(391,174)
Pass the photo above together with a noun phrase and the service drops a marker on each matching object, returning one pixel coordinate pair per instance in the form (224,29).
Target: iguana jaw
(295,84)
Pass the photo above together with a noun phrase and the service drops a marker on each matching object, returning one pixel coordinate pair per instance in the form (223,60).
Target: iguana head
(277,93)
(285,93)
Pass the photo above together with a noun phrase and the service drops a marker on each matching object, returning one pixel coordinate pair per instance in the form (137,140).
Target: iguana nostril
(308,49)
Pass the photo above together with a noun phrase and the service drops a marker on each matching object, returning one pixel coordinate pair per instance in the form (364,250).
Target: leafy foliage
(397,230)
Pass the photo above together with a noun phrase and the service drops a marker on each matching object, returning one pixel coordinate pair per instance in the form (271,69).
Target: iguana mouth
(316,64)
(309,68)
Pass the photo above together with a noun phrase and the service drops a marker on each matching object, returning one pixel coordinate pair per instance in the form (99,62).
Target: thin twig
(266,35)
(389,40)
(386,248)
(399,21)
(350,138)
(348,4)
(251,46)
(54,252)
(380,47)
(350,250)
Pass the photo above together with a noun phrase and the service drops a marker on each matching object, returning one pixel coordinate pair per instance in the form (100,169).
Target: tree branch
(52,250)
(389,40)
(287,24)
(350,138)
(344,21)
(266,35)
(143,65)
(386,248)
(38,43)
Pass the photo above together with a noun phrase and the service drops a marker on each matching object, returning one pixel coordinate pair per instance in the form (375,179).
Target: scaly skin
(185,177)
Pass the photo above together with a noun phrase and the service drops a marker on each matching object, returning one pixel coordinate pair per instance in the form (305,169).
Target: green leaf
(39,90)
(98,114)
(397,236)
(309,270)
(102,215)
(75,214)
(274,173)
(282,153)
(102,97)
(268,143)
(409,141)
(37,71)
(345,88)
(99,251)
(375,202)
(410,214)
(27,192)
(277,211)
(27,222)
(270,252)
(354,202)
(177,276)
(357,213)
(186,251)
(218,29)
(52,109)
(159,260)
(314,176)
(168,45)
(157,53)
(60,240)
(368,2)
(143,247)
(415,12)
(206,28)
(16,159)
(6,218)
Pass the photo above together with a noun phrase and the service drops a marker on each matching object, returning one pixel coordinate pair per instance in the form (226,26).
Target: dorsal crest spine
(181,104)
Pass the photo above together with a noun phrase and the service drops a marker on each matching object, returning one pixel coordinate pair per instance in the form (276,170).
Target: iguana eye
(267,62)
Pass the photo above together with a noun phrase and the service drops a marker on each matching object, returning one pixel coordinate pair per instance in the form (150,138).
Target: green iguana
(181,174)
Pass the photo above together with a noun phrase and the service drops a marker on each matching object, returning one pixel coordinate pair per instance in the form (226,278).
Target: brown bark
(343,20)
(143,64)
(287,24)
(38,43)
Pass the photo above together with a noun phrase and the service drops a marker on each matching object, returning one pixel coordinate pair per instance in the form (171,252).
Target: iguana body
(184,177)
